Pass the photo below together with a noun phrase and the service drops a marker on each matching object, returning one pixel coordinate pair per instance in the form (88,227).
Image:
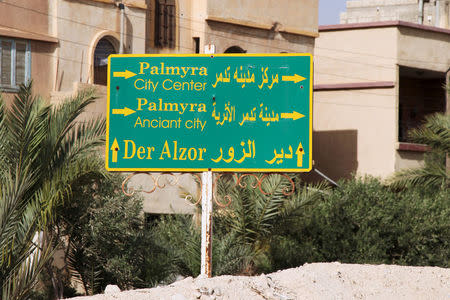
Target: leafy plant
(366,222)
(435,133)
(43,149)
(243,232)
(107,241)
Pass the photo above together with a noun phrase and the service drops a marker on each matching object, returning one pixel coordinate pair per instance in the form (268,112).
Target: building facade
(373,83)
(27,45)
(63,45)
(425,12)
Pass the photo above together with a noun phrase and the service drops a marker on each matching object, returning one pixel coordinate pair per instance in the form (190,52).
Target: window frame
(165,24)
(14,87)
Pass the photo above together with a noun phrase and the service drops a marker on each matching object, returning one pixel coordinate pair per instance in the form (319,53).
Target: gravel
(310,281)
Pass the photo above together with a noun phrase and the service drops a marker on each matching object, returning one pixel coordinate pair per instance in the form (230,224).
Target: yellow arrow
(123,111)
(115,148)
(293,115)
(295,78)
(300,152)
(127,74)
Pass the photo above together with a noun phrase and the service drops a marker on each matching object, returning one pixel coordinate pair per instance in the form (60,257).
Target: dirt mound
(310,281)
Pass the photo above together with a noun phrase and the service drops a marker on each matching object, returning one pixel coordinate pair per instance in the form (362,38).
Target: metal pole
(420,17)
(206,259)
(122,14)
(436,14)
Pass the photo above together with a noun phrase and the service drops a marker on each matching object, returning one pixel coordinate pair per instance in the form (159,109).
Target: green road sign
(238,112)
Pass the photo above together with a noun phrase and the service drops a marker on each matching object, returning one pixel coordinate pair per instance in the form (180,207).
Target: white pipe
(436,14)
(122,15)
(420,18)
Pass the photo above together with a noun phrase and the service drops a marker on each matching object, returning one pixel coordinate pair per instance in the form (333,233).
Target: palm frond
(23,277)
(435,132)
(428,176)
(43,151)
(69,136)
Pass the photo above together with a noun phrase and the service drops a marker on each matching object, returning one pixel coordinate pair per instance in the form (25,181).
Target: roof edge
(251,24)
(27,35)
(354,86)
(366,25)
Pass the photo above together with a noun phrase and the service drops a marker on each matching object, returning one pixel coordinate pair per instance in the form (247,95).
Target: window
(15,63)
(165,23)
(235,49)
(421,93)
(103,49)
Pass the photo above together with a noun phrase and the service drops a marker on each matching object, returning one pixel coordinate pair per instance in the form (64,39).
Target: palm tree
(43,150)
(261,207)
(435,132)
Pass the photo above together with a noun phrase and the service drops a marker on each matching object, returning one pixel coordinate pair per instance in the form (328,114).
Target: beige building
(374,82)
(27,46)
(63,45)
(426,12)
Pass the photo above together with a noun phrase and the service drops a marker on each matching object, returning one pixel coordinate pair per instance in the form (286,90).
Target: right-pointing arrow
(295,78)
(293,115)
(127,74)
(123,111)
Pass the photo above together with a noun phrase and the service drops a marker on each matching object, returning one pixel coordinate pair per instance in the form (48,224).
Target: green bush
(365,222)
(105,239)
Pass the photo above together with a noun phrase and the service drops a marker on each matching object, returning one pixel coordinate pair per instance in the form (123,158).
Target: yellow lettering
(150,149)
(140,87)
(141,150)
(141,101)
(133,145)
(144,66)
(138,122)
(183,153)
(202,107)
(166,151)
(154,70)
(165,124)
(170,106)
(177,85)
(175,145)
(200,154)
(152,106)
(173,69)
(164,84)
(203,71)
(192,154)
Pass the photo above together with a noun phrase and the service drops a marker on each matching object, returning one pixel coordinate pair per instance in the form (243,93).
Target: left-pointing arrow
(127,74)
(123,111)
(114,148)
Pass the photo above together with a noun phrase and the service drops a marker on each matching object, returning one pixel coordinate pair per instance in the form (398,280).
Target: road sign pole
(206,259)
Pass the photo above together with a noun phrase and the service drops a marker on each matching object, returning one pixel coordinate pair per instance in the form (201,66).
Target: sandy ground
(310,281)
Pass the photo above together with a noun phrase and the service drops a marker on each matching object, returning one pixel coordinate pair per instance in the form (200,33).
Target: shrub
(365,222)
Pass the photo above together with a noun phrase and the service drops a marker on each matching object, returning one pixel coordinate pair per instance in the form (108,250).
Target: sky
(329,11)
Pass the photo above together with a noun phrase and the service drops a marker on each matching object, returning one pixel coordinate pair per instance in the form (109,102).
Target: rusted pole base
(206,259)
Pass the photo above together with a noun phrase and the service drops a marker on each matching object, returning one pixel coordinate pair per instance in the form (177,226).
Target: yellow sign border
(211,169)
